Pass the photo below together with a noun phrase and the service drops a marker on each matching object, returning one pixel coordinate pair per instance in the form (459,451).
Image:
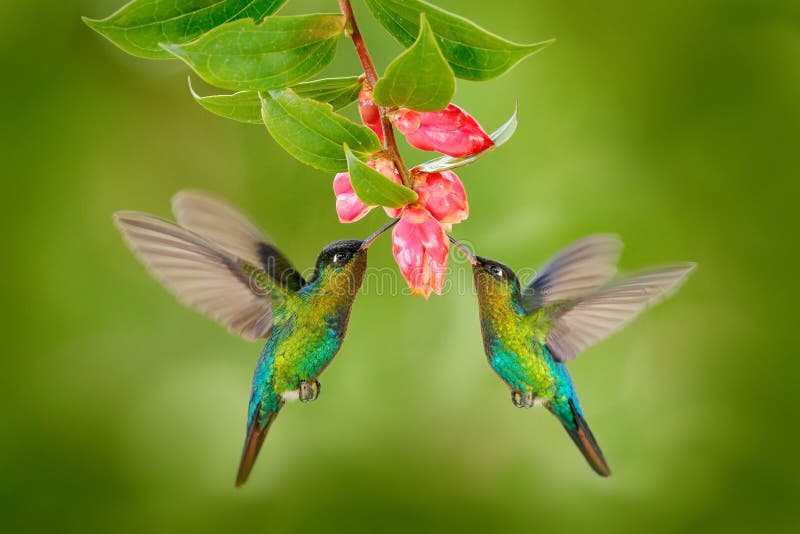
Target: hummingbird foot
(523,399)
(309,391)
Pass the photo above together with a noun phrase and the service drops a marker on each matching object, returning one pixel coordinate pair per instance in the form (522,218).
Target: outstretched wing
(578,269)
(201,274)
(225,226)
(591,318)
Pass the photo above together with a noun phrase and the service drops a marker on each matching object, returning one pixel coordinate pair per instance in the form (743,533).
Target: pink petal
(349,207)
(369,111)
(443,195)
(386,167)
(451,131)
(420,249)
(392,212)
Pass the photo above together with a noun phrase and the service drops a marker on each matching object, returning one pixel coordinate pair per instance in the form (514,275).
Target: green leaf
(245,106)
(474,53)
(338,92)
(420,78)
(311,132)
(373,188)
(139,26)
(279,52)
(499,136)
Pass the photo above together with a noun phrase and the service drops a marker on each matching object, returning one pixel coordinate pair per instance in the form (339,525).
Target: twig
(389,141)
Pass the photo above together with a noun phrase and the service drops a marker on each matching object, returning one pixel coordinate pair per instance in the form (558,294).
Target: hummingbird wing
(226,226)
(578,269)
(202,275)
(579,324)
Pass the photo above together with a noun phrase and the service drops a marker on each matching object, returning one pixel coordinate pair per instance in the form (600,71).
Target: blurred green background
(675,124)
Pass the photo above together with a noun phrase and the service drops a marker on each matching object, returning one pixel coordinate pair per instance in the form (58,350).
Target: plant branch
(389,141)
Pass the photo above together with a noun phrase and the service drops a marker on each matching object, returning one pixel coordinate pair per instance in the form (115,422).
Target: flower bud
(443,195)
(451,131)
(420,248)
(370,114)
(349,207)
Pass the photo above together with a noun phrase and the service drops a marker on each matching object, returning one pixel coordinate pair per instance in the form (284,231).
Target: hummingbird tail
(252,443)
(584,440)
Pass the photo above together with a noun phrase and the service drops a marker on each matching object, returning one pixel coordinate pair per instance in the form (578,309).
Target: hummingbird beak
(368,241)
(464,250)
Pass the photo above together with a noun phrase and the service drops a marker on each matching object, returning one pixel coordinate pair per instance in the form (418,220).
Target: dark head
(341,265)
(494,281)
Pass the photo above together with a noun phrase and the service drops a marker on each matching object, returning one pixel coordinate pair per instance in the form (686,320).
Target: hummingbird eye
(341,257)
(496,271)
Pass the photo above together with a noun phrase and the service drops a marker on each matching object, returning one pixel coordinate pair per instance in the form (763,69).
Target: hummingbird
(530,333)
(216,261)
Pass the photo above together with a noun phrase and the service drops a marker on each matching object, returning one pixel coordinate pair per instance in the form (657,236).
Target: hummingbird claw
(309,391)
(523,399)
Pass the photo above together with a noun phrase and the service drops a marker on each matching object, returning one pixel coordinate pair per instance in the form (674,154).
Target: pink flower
(451,131)
(420,249)
(370,114)
(419,239)
(443,195)
(349,207)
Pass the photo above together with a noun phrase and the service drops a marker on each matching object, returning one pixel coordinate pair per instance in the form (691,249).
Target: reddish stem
(389,141)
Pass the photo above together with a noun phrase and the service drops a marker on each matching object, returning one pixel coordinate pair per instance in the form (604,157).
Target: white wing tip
(192,194)
(670,279)
(124,218)
(609,239)
(679,271)
(682,272)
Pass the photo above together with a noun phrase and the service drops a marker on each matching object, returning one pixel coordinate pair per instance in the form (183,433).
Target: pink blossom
(451,131)
(386,167)
(349,207)
(420,248)
(370,114)
(443,195)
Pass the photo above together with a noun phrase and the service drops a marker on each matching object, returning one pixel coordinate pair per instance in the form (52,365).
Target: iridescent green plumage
(308,328)
(217,262)
(529,333)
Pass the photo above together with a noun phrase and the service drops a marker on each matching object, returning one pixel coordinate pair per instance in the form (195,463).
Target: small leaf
(474,53)
(499,137)
(338,92)
(311,132)
(420,78)
(279,52)
(245,106)
(373,188)
(139,26)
